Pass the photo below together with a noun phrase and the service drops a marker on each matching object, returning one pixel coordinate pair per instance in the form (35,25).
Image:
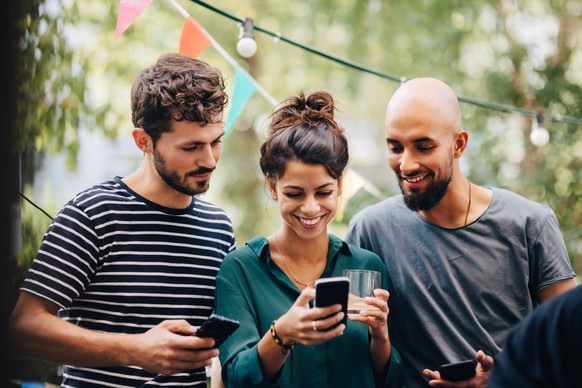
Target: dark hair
(303,129)
(176,87)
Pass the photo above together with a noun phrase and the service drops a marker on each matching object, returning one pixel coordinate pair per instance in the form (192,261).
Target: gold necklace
(468,207)
(289,269)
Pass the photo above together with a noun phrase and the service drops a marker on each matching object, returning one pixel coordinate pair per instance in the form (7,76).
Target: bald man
(467,262)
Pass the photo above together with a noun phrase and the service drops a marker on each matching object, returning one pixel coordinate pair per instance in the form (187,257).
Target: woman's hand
(376,319)
(307,325)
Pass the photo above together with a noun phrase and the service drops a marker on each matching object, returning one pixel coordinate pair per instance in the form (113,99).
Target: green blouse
(252,288)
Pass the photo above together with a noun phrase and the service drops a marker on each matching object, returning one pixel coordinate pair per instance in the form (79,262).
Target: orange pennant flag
(194,38)
(129,10)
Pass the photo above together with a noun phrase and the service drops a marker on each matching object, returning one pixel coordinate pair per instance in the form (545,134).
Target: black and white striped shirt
(117,262)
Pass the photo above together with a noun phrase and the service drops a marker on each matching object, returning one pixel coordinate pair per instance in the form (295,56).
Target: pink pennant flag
(194,39)
(129,10)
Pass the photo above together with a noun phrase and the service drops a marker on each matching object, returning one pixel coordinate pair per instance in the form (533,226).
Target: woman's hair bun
(313,110)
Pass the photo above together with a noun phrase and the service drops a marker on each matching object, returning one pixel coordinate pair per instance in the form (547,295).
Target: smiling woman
(268,284)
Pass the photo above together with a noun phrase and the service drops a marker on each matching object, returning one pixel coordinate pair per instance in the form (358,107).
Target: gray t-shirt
(455,291)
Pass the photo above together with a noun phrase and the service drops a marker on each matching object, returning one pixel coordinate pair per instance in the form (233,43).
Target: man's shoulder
(104,191)
(379,209)
(517,202)
(363,254)
(208,207)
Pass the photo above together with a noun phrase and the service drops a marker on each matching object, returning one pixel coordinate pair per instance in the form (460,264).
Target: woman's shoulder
(252,249)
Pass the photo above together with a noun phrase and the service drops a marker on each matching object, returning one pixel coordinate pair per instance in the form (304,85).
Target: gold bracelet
(286,348)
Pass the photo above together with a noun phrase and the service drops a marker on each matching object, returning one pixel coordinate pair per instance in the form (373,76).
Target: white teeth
(311,221)
(414,180)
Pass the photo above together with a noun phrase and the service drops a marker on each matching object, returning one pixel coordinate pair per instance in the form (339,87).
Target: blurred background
(516,64)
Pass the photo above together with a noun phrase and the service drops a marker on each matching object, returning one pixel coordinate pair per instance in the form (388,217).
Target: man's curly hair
(176,87)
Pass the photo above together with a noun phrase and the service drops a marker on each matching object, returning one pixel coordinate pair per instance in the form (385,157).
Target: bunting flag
(193,42)
(352,182)
(194,38)
(243,90)
(129,10)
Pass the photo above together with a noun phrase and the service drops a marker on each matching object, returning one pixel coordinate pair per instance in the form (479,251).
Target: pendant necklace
(306,285)
(466,215)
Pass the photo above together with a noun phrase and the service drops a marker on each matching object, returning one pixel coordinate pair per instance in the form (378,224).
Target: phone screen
(458,371)
(330,291)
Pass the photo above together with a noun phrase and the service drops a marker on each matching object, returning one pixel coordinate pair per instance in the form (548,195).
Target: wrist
(379,335)
(127,349)
(286,347)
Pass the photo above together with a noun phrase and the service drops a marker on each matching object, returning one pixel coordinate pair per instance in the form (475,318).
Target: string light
(539,135)
(246,45)
(557,118)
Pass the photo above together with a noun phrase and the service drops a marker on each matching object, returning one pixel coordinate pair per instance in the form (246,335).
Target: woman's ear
(339,186)
(272,187)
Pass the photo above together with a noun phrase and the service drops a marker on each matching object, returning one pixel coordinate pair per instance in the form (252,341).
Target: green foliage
(75,76)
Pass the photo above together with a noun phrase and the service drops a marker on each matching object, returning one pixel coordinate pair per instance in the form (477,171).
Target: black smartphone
(217,327)
(330,291)
(458,371)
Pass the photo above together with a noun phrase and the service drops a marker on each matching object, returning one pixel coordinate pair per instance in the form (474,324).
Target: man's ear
(142,140)
(461,139)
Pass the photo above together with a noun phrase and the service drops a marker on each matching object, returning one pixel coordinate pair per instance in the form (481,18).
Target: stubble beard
(425,200)
(177,183)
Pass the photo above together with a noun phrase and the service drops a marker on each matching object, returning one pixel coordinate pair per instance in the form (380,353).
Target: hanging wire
(35,205)
(483,104)
(278,36)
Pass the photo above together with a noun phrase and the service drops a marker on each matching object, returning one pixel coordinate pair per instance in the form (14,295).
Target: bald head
(425,99)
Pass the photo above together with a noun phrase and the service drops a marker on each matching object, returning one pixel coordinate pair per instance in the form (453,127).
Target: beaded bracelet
(286,348)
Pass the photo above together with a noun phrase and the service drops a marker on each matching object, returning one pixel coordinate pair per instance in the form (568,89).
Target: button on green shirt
(252,288)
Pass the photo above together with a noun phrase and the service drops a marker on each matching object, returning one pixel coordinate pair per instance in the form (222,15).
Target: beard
(425,200)
(178,183)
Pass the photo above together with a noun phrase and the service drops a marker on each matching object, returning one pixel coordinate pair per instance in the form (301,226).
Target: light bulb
(246,45)
(539,137)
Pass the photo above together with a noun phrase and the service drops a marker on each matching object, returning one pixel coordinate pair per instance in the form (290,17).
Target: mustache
(200,171)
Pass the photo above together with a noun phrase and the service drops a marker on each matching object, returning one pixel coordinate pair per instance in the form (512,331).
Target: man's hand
(170,348)
(479,380)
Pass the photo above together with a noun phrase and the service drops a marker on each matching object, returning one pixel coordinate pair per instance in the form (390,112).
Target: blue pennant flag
(243,90)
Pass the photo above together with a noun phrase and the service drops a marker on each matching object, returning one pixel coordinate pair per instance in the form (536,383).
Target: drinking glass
(362,284)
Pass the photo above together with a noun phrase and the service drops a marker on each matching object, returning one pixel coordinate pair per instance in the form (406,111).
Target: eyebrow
(218,137)
(419,140)
(325,185)
(203,142)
